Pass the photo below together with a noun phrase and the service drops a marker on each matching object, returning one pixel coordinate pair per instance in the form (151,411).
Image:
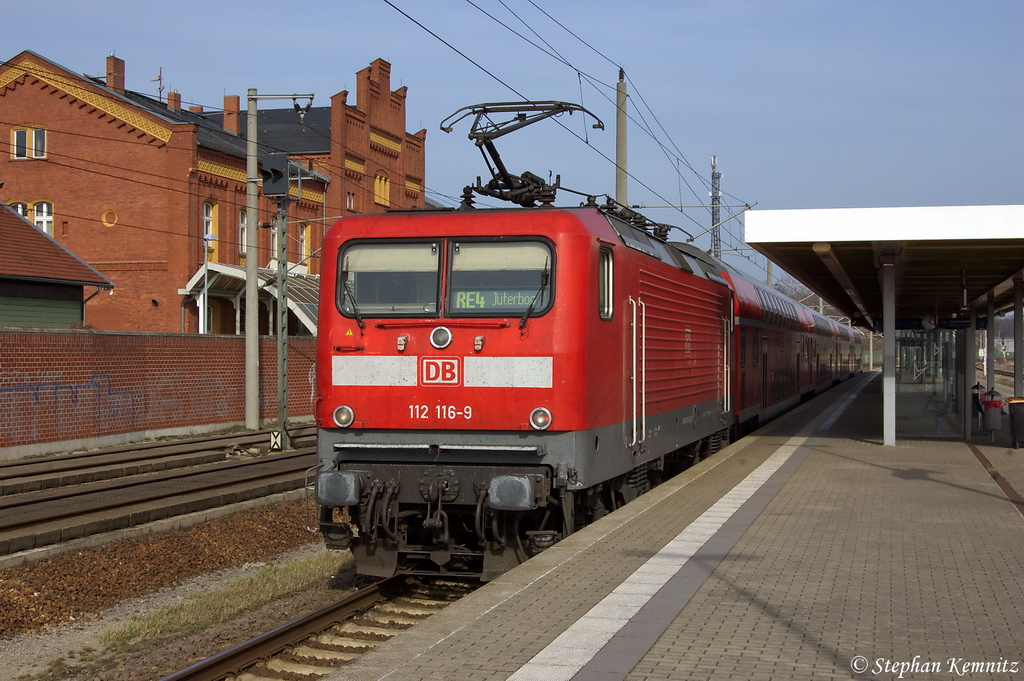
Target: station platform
(804,551)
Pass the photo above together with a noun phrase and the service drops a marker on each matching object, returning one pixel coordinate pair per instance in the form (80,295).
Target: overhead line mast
(621,176)
(716,199)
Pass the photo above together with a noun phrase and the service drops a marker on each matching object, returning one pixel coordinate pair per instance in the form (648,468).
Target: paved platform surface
(804,551)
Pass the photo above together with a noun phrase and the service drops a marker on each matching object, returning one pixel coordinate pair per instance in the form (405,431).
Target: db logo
(439,371)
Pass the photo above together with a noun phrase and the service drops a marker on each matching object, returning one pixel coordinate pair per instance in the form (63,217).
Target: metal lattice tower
(716,198)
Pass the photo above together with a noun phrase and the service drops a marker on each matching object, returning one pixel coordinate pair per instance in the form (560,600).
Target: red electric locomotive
(491,380)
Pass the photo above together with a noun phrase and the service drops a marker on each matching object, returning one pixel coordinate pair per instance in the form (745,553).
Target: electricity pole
(620,141)
(252,301)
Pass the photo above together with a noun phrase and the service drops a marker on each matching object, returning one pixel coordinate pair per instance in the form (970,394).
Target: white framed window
(210,229)
(39,143)
(29,142)
(20,143)
(243,216)
(350,200)
(303,241)
(42,214)
(20,208)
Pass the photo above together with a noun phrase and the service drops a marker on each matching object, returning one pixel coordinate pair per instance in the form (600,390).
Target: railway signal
(275,174)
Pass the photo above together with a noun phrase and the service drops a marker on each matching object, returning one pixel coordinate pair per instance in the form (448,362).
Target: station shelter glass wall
(930,383)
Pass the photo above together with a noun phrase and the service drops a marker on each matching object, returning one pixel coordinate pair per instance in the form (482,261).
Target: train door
(741,374)
(638,372)
(764,372)
(726,361)
(796,380)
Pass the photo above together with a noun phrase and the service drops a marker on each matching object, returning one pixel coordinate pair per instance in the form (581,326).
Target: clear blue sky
(806,103)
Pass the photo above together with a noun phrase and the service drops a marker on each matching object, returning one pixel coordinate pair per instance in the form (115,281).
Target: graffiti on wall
(44,408)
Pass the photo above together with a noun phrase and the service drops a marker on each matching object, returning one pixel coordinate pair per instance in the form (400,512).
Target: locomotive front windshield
(389,279)
(482,278)
(499,279)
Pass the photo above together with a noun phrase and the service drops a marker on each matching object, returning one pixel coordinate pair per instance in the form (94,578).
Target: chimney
(231,113)
(196,108)
(115,74)
(174,100)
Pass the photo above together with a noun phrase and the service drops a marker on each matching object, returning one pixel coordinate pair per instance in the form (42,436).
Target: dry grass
(202,610)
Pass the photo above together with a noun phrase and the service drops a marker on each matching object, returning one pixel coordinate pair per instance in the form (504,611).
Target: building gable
(26,70)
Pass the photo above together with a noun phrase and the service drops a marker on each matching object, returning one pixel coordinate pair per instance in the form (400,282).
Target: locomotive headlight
(540,418)
(440,337)
(344,416)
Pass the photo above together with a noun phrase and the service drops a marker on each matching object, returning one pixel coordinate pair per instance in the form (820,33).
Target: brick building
(42,284)
(132,185)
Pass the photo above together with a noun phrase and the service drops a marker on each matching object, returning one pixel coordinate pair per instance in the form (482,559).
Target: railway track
(318,643)
(59,513)
(30,475)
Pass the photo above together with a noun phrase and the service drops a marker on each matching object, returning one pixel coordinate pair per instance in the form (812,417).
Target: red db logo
(439,371)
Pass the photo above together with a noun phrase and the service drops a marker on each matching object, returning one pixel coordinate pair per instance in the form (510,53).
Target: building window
(29,143)
(350,200)
(21,209)
(303,241)
(242,217)
(382,190)
(43,216)
(210,230)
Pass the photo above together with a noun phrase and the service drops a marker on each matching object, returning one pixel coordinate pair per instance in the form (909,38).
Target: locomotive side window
(389,279)
(605,288)
(499,278)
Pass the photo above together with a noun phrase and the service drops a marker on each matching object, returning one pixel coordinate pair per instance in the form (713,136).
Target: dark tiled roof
(27,253)
(211,134)
(282,129)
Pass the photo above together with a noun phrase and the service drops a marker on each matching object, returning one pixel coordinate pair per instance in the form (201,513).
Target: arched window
(20,208)
(210,229)
(43,216)
(382,190)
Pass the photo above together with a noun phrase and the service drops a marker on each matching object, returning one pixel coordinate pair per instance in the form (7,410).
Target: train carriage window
(389,279)
(500,278)
(605,288)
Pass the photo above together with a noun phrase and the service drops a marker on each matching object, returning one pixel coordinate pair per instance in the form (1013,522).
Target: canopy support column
(888,350)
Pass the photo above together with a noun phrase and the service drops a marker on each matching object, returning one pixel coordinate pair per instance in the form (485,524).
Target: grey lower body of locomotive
(384,476)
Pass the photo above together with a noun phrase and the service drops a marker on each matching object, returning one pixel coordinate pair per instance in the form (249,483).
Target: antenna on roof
(159,78)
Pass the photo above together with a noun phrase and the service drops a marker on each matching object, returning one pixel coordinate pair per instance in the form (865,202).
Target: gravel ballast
(55,611)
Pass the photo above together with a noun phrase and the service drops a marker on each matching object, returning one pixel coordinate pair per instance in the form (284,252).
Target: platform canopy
(946,258)
(228,281)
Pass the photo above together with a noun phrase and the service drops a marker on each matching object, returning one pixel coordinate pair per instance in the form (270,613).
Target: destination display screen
(500,278)
(504,300)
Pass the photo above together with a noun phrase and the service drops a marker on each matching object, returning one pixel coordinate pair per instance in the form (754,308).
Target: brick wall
(69,389)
